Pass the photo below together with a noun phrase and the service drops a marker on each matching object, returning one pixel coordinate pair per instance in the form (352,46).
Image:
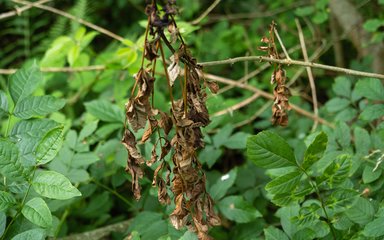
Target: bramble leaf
(235,208)
(33,106)
(49,146)
(316,150)
(285,183)
(105,111)
(37,211)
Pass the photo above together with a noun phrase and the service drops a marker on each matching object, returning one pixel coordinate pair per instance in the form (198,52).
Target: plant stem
(118,195)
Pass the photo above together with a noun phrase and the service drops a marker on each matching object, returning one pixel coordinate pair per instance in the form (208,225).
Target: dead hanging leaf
(150,50)
(174,31)
(173,69)
(213,86)
(133,162)
(281,93)
(165,123)
(162,194)
(147,134)
(136,114)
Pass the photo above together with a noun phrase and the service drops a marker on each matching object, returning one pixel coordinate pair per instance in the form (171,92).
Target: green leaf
(316,150)
(374,228)
(285,183)
(342,134)
(6,201)
(342,199)
(35,234)
(210,155)
(369,175)
(236,141)
(222,136)
(272,233)
(338,171)
(373,24)
(73,54)
(3,104)
(105,111)
(49,146)
(3,222)
(337,104)
(342,87)
(155,230)
(37,211)
(33,106)
(87,39)
(55,55)
(220,188)
(10,165)
(362,141)
(84,159)
(372,112)
(268,150)
(54,185)
(235,208)
(304,234)
(304,11)
(24,82)
(362,212)
(87,130)
(370,88)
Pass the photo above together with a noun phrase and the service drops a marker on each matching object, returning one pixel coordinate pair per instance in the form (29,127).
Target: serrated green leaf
(24,82)
(10,165)
(369,175)
(342,222)
(3,104)
(155,230)
(337,104)
(272,233)
(370,88)
(32,234)
(304,234)
(342,199)
(6,200)
(316,150)
(105,111)
(3,222)
(372,112)
(37,211)
(33,106)
(54,185)
(362,141)
(269,150)
(235,208)
(362,212)
(374,228)
(342,87)
(210,155)
(49,146)
(220,188)
(285,183)
(222,135)
(338,171)
(236,141)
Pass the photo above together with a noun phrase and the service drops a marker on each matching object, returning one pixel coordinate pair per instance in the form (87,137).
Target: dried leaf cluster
(178,132)
(281,92)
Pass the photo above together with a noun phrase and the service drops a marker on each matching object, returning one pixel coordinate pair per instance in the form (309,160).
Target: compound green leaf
(24,82)
(362,141)
(372,112)
(49,146)
(235,208)
(105,111)
(362,212)
(54,185)
(342,87)
(37,211)
(285,183)
(6,200)
(315,151)
(337,104)
(33,106)
(35,234)
(374,228)
(269,150)
(369,175)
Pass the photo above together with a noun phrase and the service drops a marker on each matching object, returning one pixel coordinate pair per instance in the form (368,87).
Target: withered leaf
(173,69)
(136,114)
(213,86)
(150,50)
(165,123)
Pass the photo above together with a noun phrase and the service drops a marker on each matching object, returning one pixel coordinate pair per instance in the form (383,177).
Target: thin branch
(57,69)
(18,10)
(254,116)
(281,43)
(292,62)
(267,96)
(74,18)
(309,72)
(206,12)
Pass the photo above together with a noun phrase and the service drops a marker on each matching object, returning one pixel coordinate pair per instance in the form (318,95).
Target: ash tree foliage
(133,127)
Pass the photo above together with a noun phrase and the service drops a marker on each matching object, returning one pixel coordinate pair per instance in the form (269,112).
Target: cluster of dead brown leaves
(281,92)
(193,205)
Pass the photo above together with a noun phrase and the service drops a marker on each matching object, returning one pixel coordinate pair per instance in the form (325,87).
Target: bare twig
(267,96)
(63,69)
(74,18)
(206,12)
(309,72)
(292,62)
(281,44)
(18,11)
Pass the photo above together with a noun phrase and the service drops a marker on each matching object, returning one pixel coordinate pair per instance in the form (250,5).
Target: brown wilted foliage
(194,206)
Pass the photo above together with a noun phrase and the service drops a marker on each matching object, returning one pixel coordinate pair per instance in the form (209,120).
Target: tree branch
(18,11)
(57,69)
(292,62)
(206,12)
